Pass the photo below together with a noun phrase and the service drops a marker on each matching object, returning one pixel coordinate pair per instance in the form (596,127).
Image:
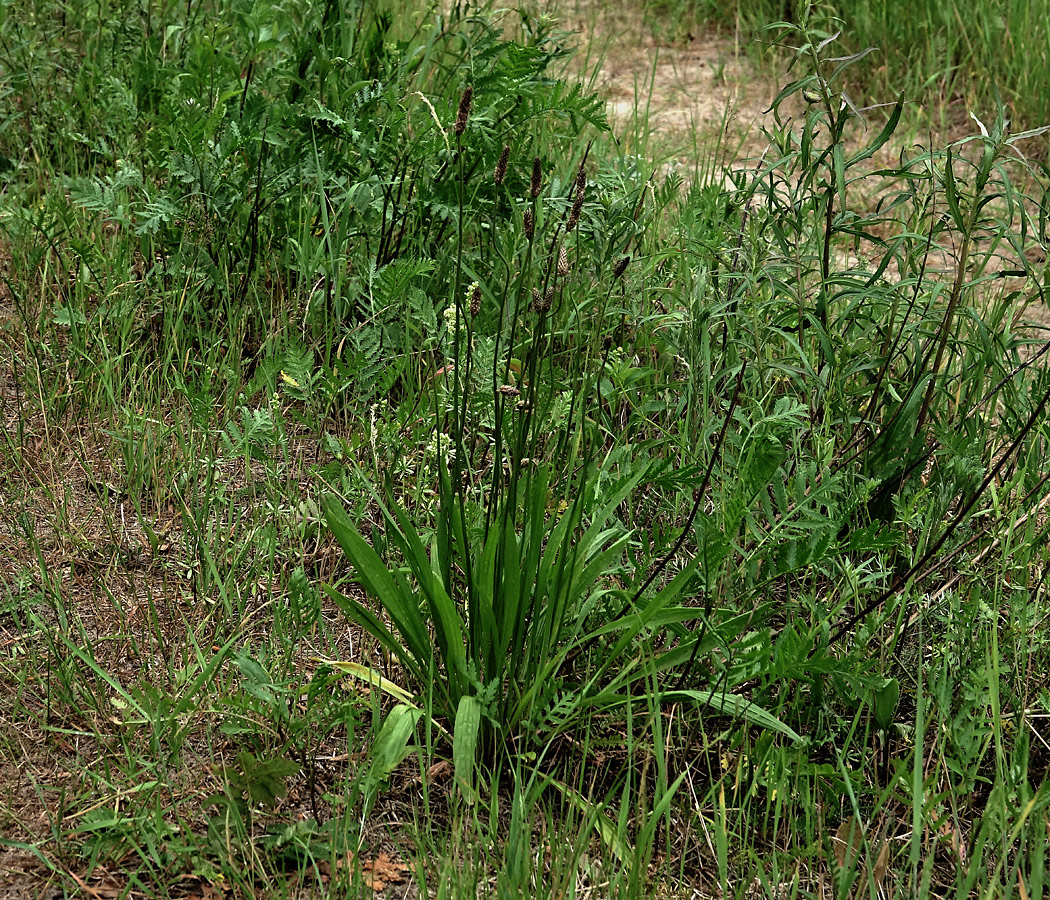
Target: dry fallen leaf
(848,844)
(439,771)
(958,847)
(382,871)
(882,862)
(106,889)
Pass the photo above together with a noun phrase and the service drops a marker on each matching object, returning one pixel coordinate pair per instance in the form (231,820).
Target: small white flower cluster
(449,315)
(448,447)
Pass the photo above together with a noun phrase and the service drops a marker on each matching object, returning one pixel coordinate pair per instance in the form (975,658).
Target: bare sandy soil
(691,92)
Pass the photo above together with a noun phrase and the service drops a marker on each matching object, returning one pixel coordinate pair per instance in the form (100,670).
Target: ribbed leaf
(375,627)
(371,677)
(377,580)
(465,743)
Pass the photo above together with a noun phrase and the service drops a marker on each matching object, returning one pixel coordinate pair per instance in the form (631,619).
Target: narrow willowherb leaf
(501,165)
(464,111)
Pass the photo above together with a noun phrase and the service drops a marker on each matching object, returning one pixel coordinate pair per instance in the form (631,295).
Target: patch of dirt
(696,92)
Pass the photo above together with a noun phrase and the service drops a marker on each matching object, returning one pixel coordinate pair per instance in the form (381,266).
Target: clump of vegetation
(404,483)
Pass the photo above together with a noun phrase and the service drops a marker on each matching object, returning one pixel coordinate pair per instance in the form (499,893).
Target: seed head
(464,110)
(621,267)
(577,208)
(563,262)
(474,293)
(581,179)
(541,302)
(529,224)
(501,165)
(537,178)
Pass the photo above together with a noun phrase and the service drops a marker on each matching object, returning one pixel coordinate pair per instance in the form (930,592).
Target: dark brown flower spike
(464,111)
(501,165)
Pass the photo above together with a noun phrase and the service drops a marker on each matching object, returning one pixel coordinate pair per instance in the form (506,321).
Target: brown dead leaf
(383,871)
(848,844)
(958,847)
(378,872)
(882,862)
(439,771)
(106,889)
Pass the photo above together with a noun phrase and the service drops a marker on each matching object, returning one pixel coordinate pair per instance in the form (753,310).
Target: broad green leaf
(488,587)
(390,748)
(450,633)
(884,702)
(264,779)
(712,547)
(883,136)
(377,580)
(370,677)
(612,503)
(465,744)
(951,196)
(634,624)
(372,624)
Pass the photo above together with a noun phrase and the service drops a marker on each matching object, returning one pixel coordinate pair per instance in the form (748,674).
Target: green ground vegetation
(406,490)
